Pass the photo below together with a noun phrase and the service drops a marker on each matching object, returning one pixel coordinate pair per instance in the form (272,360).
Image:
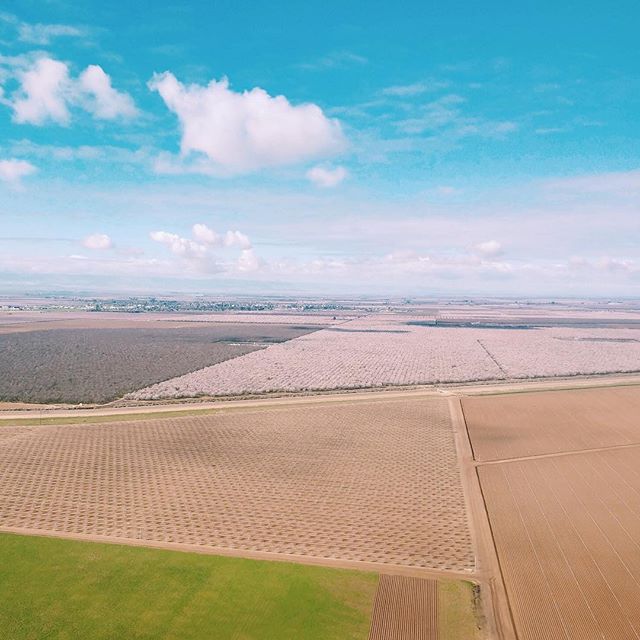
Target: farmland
(93,365)
(386,350)
(561,486)
(368,481)
(113,591)
(515,426)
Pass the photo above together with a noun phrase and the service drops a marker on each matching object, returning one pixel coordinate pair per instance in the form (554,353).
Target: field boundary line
(572,452)
(496,606)
(493,387)
(333,563)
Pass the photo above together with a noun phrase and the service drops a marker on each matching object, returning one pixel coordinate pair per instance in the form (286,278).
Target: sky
(416,148)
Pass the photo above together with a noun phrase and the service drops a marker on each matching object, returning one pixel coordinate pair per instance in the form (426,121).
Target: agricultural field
(527,424)
(566,521)
(368,480)
(93,365)
(392,349)
(114,591)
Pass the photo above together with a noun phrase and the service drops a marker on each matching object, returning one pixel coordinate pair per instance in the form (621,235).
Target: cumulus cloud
(200,251)
(202,233)
(97,242)
(12,171)
(105,102)
(488,249)
(248,261)
(326,178)
(47,91)
(179,246)
(44,92)
(245,131)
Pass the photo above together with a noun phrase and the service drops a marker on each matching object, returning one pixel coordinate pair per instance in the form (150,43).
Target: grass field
(52,588)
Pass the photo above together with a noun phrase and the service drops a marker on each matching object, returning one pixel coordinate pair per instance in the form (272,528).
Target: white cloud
(326,178)
(105,103)
(44,92)
(179,246)
(47,91)
(241,132)
(489,249)
(97,242)
(414,89)
(335,59)
(248,261)
(202,233)
(12,171)
(236,239)
(43,33)
(205,253)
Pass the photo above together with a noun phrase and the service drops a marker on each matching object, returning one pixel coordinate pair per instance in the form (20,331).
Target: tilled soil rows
(405,609)
(370,481)
(567,532)
(527,424)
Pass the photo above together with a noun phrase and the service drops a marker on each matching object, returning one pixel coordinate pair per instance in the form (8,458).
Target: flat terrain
(395,349)
(566,524)
(408,608)
(95,365)
(405,609)
(63,589)
(373,481)
(527,424)
(567,531)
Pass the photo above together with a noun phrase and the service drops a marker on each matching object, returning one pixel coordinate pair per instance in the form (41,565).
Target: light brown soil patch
(372,483)
(567,531)
(528,424)
(405,609)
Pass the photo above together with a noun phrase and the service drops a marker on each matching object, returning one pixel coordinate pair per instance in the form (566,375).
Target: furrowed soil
(405,609)
(371,482)
(527,424)
(567,531)
(564,508)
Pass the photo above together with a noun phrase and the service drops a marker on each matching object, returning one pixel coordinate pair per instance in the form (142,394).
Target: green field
(55,589)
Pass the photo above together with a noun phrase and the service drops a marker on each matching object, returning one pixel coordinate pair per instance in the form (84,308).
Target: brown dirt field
(530,424)
(405,609)
(376,483)
(567,531)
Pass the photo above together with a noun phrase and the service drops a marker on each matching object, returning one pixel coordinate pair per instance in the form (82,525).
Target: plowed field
(405,609)
(567,530)
(527,424)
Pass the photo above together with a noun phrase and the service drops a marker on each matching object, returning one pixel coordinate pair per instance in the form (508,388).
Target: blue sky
(451,148)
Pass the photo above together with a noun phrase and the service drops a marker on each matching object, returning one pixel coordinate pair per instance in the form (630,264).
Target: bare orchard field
(371,481)
(97,365)
(384,350)
(528,424)
(566,530)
